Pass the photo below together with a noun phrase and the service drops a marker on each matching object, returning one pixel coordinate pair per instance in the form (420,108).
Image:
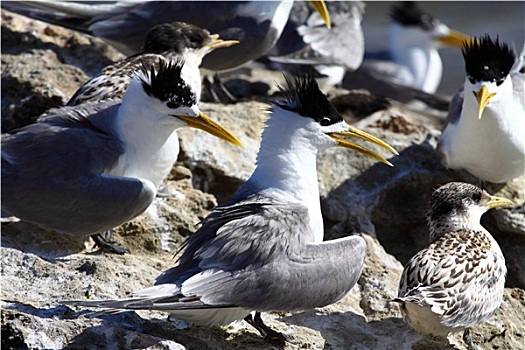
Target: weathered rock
(42,65)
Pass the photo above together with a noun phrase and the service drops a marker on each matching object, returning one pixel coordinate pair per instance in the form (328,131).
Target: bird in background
(263,250)
(327,53)
(168,41)
(459,279)
(85,169)
(257,25)
(412,58)
(484,133)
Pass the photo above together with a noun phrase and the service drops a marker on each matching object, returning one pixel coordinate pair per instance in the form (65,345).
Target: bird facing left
(83,170)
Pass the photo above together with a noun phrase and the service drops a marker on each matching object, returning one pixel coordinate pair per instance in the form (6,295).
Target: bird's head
(171,99)
(423,29)
(488,63)
(178,37)
(458,199)
(305,115)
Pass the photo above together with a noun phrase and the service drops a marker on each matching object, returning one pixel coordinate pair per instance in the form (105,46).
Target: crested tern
(257,25)
(263,250)
(85,169)
(326,52)
(412,58)
(458,280)
(171,41)
(485,128)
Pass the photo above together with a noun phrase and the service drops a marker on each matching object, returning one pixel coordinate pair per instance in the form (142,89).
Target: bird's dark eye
(472,81)
(172,104)
(476,197)
(325,121)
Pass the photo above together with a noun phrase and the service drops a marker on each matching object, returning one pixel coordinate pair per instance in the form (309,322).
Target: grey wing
(53,175)
(258,256)
(455,107)
(518,83)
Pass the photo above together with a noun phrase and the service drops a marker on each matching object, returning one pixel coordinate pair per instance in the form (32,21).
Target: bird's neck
(190,71)
(410,48)
(457,222)
(286,164)
(150,145)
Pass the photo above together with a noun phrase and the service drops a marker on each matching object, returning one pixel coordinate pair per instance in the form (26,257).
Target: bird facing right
(458,280)
(263,250)
(485,129)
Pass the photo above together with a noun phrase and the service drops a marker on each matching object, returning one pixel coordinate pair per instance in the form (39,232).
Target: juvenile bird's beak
(320,7)
(354,132)
(498,202)
(217,43)
(483,96)
(455,39)
(209,125)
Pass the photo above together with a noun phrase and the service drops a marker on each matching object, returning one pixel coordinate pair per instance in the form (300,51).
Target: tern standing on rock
(170,41)
(86,169)
(485,129)
(264,250)
(458,281)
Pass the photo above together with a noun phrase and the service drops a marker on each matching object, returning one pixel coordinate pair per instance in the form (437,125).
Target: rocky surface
(42,65)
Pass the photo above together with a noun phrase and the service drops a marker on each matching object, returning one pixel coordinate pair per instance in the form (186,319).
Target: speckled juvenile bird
(485,129)
(168,41)
(458,280)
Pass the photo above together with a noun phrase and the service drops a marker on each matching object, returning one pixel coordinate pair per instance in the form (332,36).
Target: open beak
(207,124)
(455,39)
(499,202)
(483,96)
(217,43)
(353,132)
(320,7)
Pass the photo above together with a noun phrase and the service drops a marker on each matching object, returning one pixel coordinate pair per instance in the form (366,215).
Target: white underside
(493,148)
(210,317)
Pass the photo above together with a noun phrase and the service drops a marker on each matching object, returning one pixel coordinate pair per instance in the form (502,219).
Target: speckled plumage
(458,280)
(166,42)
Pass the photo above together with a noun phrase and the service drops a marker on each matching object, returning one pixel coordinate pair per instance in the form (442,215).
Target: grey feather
(44,176)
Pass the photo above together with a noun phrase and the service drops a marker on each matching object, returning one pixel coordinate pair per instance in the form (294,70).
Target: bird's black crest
(302,95)
(164,82)
(175,37)
(488,59)
(409,14)
(454,198)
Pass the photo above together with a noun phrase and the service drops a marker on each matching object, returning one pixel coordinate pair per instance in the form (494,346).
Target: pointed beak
(483,96)
(320,7)
(353,132)
(217,43)
(498,202)
(207,124)
(455,39)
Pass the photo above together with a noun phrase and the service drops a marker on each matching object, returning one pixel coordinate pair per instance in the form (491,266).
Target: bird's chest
(148,159)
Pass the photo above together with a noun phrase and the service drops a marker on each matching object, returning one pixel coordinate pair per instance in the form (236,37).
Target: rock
(42,65)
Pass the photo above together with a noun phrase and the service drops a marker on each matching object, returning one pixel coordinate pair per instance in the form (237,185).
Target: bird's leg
(269,334)
(217,90)
(102,240)
(468,340)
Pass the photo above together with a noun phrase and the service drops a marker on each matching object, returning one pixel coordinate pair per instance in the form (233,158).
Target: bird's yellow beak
(209,125)
(455,39)
(320,7)
(354,132)
(498,202)
(483,96)
(217,43)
